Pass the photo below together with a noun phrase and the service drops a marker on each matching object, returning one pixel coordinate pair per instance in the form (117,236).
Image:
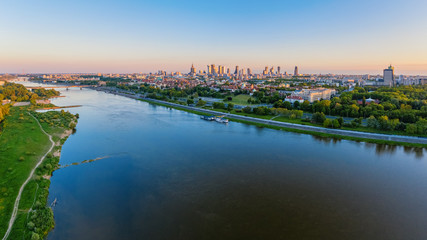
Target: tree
(262,111)
(393,123)
(278,104)
(340,121)
(35,236)
(372,122)
(296,105)
(411,129)
(306,106)
(327,123)
(201,103)
(336,124)
(318,117)
(247,109)
(383,123)
(230,106)
(190,101)
(219,105)
(421,126)
(287,105)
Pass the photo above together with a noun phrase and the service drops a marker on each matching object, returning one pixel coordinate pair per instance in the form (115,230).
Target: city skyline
(354,37)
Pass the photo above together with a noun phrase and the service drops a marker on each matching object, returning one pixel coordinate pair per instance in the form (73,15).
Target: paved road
(18,198)
(395,138)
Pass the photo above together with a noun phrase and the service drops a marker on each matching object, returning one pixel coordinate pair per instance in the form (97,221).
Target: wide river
(170,175)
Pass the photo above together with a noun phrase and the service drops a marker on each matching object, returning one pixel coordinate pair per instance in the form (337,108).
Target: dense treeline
(401,108)
(176,92)
(19,93)
(16,92)
(46,93)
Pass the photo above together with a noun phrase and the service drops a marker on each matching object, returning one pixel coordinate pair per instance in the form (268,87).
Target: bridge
(66,87)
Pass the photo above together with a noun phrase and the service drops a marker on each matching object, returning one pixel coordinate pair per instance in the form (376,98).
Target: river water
(170,175)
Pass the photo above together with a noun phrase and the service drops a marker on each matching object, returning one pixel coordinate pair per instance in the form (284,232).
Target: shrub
(247,109)
(219,105)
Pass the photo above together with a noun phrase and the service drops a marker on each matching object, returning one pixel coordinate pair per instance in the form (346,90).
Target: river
(170,175)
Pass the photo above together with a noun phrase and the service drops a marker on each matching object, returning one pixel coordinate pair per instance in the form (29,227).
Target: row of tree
(4,110)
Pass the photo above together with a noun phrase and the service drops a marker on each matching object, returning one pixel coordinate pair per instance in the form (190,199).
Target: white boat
(221,120)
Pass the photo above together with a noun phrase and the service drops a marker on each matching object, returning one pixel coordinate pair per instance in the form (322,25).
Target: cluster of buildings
(389,79)
(239,73)
(310,87)
(311,95)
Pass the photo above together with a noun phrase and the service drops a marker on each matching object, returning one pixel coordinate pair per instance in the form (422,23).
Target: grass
(241,99)
(22,143)
(299,121)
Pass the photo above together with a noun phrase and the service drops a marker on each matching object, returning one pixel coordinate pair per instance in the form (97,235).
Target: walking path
(18,198)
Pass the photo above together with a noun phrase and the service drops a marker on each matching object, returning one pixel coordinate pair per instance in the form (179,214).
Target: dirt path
(18,198)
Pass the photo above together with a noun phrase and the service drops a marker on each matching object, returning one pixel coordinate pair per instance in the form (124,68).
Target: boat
(221,120)
(208,118)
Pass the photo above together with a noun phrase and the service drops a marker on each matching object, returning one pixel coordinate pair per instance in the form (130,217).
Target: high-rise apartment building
(192,70)
(236,72)
(389,76)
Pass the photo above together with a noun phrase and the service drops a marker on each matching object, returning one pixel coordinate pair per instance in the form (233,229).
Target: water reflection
(326,140)
(384,149)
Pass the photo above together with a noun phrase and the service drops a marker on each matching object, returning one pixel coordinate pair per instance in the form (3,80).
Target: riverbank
(306,129)
(30,147)
(361,136)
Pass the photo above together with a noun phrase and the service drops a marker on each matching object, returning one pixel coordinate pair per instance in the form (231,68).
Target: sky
(128,36)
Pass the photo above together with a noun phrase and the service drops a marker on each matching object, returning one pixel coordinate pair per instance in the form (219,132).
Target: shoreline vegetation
(28,159)
(268,124)
(320,134)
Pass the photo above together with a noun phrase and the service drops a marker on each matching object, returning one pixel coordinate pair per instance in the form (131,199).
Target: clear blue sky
(320,36)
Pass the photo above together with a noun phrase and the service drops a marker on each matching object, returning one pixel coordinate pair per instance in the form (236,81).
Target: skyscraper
(214,69)
(209,70)
(389,76)
(221,70)
(296,71)
(265,72)
(278,70)
(249,72)
(236,72)
(192,70)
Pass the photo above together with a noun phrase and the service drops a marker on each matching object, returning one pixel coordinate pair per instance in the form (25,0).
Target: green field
(22,143)
(241,99)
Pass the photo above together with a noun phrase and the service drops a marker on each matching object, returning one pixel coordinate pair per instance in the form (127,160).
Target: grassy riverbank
(22,144)
(297,130)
